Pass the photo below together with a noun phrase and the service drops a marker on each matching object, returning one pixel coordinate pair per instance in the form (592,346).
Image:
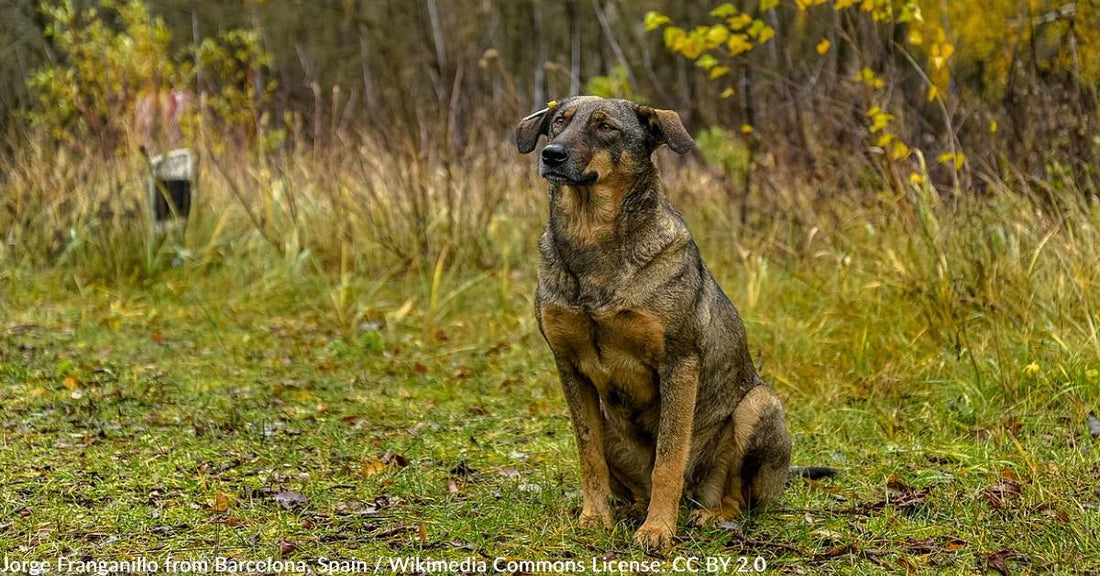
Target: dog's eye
(605,127)
(559,121)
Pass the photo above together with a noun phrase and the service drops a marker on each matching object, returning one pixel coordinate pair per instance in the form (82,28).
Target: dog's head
(593,140)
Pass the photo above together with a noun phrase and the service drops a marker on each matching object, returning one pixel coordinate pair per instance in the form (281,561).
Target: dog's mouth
(556,177)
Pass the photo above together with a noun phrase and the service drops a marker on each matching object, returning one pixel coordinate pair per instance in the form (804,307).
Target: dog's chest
(618,350)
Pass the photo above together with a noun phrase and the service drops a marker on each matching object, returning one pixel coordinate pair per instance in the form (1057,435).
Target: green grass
(946,363)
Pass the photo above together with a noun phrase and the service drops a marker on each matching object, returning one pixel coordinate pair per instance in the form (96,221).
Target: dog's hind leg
(763,444)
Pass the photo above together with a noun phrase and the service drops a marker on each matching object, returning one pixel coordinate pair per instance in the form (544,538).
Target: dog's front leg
(679,385)
(584,409)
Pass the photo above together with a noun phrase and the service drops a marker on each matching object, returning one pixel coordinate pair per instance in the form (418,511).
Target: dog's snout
(554,154)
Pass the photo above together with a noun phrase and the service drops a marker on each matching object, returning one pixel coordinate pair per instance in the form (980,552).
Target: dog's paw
(599,519)
(653,536)
(724,512)
(703,517)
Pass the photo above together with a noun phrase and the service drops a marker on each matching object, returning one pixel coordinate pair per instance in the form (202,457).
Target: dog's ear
(666,127)
(530,128)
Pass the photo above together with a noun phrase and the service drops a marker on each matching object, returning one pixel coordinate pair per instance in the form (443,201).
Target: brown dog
(652,356)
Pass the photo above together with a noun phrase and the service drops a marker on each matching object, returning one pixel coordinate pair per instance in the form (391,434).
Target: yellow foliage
(738,44)
(868,77)
(824,46)
(948,157)
(654,20)
(716,36)
(740,21)
(724,10)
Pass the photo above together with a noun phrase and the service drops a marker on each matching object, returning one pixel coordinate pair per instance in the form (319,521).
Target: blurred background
(1014,80)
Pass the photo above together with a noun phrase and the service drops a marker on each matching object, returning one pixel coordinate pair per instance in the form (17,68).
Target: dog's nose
(554,154)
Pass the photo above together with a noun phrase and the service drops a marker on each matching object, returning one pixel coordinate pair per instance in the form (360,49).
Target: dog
(652,356)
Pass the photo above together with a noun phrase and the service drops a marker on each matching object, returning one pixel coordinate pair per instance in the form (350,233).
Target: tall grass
(347,219)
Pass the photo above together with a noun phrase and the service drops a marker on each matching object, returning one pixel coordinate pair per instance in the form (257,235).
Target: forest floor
(224,416)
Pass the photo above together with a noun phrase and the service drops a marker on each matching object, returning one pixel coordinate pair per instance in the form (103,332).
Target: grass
(244,403)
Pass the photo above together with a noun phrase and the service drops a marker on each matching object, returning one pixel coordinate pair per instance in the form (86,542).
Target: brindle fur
(652,356)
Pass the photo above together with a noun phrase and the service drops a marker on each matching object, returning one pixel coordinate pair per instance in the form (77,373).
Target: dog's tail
(814,472)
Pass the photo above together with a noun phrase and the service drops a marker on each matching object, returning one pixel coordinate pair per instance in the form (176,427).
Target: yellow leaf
(766,5)
(654,20)
(719,71)
(221,502)
(993,126)
(673,35)
(901,151)
(823,46)
(767,33)
(70,383)
(372,468)
(958,158)
(738,44)
(724,10)
(746,129)
(915,37)
(717,35)
(933,93)
(916,179)
(706,62)
(740,21)
(842,4)
(727,93)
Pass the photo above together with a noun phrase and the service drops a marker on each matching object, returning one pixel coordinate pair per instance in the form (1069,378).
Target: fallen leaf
(221,502)
(372,468)
(289,499)
(826,534)
(729,525)
(954,545)
(392,458)
(478,410)
(70,383)
(423,530)
(508,471)
(354,420)
(999,561)
(420,368)
(286,547)
(1004,491)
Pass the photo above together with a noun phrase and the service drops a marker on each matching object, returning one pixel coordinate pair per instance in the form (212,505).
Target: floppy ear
(530,128)
(666,128)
